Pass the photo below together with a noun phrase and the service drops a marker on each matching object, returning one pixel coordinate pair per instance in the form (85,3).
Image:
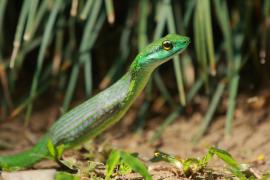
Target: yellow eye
(167,45)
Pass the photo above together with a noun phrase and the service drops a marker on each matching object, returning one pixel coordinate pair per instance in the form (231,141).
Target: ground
(249,143)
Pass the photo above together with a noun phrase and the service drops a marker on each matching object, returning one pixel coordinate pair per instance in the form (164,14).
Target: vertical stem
(211,110)
(45,41)
(176,59)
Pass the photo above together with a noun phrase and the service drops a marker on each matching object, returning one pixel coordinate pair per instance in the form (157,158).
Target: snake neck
(139,77)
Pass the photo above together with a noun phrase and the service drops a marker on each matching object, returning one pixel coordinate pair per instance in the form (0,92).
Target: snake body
(103,110)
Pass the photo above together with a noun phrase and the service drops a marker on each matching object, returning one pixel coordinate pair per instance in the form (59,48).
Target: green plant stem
(45,41)
(211,110)
(193,91)
(176,59)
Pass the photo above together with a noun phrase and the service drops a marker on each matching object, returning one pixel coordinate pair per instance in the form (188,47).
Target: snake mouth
(186,41)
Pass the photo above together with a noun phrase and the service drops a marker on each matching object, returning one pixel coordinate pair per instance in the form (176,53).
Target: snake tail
(27,158)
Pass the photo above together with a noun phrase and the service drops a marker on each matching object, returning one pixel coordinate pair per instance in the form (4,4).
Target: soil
(249,143)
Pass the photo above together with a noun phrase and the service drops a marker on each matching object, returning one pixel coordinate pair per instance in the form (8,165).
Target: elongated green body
(101,111)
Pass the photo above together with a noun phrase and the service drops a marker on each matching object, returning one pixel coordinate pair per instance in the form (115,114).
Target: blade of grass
(194,90)
(161,22)
(142,33)
(143,4)
(225,156)
(74,8)
(136,165)
(4,82)
(111,163)
(113,73)
(45,41)
(86,9)
(234,65)
(223,19)
(266,10)
(209,35)
(42,9)
(31,18)
(19,32)
(57,58)
(230,161)
(200,48)
(3,4)
(161,19)
(69,54)
(88,74)
(177,10)
(210,112)
(176,59)
(190,6)
(110,11)
(88,64)
(233,86)
(85,46)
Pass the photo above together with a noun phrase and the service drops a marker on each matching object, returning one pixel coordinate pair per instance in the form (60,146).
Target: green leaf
(124,168)
(60,150)
(161,156)
(205,160)
(229,160)
(112,161)
(191,164)
(225,156)
(51,148)
(66,176)
(136,165)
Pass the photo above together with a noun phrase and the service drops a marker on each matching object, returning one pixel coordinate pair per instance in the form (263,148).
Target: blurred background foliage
(60,50)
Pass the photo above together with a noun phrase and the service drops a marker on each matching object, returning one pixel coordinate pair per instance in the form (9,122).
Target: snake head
(161,50)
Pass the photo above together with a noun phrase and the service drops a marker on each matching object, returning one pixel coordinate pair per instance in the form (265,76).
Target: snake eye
(167,45)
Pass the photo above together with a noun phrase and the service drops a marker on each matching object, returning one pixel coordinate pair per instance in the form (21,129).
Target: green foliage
(56,152)
(225,156)
(112,162)
(124,168)
(126,163)
(60,150)
(51,148)
(65,176)
(161,156)
(193,165)
(135,164)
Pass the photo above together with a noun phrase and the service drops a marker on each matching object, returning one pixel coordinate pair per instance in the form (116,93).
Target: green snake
(104,109)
